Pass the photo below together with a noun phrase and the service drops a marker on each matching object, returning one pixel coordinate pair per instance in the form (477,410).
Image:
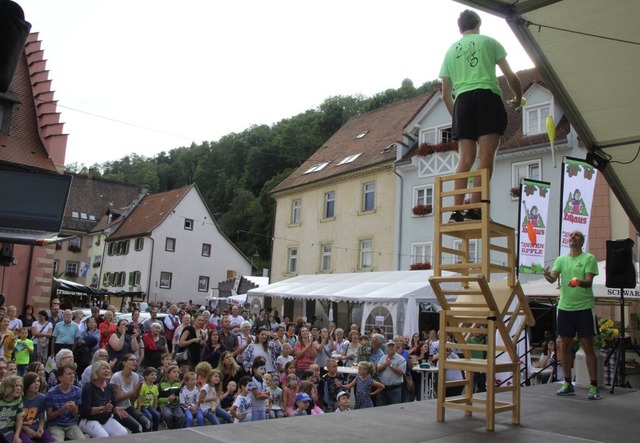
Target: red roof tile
(149,213)
(383,128)
(35,136)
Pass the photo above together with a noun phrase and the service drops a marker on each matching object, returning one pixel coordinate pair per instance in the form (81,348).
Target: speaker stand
(621,345)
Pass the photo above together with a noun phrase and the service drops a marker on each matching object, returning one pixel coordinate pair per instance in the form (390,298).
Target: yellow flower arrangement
(607,334)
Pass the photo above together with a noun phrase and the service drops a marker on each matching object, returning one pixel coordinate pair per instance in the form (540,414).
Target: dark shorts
(477,113)
(581,323)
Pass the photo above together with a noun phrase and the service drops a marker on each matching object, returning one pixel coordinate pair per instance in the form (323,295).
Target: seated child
(342,399)
(275,396)
(241,408)
(301,403)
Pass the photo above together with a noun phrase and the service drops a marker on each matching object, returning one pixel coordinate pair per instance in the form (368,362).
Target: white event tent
(400,292)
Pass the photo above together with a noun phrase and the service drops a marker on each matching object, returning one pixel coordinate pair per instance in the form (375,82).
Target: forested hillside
(236,173)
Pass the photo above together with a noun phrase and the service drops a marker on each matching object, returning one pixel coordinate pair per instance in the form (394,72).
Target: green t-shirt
(148,395)
(575,299)
(8,413)
(470,63)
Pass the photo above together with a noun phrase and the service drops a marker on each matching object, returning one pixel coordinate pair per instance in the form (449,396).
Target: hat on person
(340,394)
(302,396)
(391,342)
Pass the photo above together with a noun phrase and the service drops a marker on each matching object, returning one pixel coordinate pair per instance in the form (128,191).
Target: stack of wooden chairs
(477,303)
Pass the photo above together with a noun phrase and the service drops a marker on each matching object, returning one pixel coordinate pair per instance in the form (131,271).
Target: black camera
(130,329)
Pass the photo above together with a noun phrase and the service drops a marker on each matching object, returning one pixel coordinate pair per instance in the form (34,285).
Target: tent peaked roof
(360,287)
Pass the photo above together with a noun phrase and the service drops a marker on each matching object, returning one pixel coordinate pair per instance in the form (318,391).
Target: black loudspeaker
(621,271)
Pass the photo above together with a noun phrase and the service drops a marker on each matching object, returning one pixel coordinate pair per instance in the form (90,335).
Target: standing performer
(575,310)
(479,117)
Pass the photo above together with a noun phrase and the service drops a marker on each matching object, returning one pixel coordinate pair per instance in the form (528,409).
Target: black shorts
(581,323)
(477,113)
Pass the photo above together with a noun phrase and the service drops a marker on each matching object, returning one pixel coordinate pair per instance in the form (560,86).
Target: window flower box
(96,264)
(514,192)
(422,210)
(428,149)
(74,248)
(420,266)
(71,274)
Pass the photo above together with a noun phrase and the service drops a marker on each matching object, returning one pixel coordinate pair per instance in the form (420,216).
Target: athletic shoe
(456,217)
(567,389)
(593,393)
(473,214)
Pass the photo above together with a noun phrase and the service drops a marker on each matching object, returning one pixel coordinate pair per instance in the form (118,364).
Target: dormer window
(349,159)
(317,167)
(7,101)
(535,118)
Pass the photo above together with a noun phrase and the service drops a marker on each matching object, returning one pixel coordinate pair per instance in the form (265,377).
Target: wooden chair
(496,309)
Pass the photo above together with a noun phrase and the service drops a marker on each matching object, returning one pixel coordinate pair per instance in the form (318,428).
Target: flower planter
(422,210)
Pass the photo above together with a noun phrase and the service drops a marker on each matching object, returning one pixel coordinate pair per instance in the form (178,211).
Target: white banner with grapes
(578,185)
(532,226)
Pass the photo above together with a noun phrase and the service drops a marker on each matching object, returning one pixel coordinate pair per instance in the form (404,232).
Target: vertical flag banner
(578,184)
(532,225)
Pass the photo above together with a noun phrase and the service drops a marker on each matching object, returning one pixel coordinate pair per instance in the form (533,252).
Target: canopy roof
(585,51)
(359,287)
(78,288)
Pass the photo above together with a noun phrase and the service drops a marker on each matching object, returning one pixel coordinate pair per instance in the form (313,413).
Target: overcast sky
(146,76)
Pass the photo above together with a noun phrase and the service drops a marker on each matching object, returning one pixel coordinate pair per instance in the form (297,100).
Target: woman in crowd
(126,385)
(38,368)
(64,358)
(244,340)
(6,338)
(305,351)
(107,328)
(87,345)
(192,339)
(265,348)
(41,332)
(229,368)
(98,409)
(213,349)
(28,318)
(123,341)
(135,321)
(350,353)
(185,322)
(102,355)
(414,345)
(155,344)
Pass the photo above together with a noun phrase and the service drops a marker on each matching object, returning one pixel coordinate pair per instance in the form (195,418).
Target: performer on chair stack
(575,310)
(479,117)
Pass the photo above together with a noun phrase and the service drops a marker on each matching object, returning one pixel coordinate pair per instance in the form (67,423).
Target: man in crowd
(391,374)
(65,333)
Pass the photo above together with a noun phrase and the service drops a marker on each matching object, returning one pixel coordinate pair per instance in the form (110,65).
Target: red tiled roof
(384,127)
(35,136)
(149,213)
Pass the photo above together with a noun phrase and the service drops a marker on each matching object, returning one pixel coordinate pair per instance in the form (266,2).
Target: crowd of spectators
(65,377)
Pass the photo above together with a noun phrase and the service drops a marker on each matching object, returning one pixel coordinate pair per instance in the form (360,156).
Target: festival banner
(532,228)
(578,184)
